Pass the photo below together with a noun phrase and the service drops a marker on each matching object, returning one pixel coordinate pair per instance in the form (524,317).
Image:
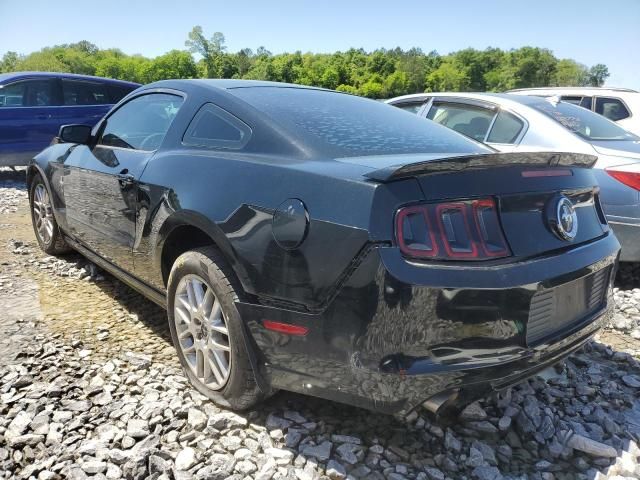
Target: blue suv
(33,106)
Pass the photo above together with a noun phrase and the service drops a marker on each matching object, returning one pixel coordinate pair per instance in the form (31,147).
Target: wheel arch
(185,230)
(32,171)
(35,169)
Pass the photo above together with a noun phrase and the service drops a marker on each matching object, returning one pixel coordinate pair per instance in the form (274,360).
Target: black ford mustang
(318,242)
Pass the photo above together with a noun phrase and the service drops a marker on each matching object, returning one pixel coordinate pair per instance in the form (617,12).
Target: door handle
(125,178)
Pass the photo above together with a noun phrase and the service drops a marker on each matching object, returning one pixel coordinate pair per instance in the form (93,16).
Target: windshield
(343,125)
(583,122)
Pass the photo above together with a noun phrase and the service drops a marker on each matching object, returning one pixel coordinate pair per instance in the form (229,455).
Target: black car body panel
(384,331)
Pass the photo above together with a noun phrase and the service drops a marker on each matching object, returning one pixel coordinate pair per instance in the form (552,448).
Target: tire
(239,390)
(44,223)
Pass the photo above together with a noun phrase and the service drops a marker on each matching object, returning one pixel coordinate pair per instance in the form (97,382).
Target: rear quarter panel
(233,199)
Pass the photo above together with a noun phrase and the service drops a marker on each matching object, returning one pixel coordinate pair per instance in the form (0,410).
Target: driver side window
(141,123)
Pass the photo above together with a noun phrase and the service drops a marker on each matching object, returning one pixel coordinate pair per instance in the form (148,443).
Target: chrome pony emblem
(564,220)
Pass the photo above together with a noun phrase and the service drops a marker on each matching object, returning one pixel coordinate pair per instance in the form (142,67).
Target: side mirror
(75,134)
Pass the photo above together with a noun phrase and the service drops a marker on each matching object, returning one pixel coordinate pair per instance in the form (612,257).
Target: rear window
(345,125)
(583,122)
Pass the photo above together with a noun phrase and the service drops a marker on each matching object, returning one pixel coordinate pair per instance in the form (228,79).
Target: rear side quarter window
(214,127)
(611,108)
(506,128)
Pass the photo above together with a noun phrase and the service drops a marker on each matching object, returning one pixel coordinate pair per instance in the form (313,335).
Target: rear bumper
(390,345)
(628,232)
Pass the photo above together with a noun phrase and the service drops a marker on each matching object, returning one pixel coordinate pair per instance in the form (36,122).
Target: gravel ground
(90,387)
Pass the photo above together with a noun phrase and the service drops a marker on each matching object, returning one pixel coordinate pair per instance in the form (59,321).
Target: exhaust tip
(441,400)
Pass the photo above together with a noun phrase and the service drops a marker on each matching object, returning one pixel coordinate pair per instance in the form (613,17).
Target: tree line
(381,73)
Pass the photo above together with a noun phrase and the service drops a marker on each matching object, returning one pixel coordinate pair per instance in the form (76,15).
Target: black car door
(100,181)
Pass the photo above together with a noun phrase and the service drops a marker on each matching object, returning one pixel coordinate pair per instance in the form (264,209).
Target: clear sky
(589,31)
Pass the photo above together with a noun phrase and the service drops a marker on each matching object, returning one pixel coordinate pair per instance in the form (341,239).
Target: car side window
(214,127)
(142,122)
(611,108)
(571,99)
(506,128)
(13,95)
(412,107)
(586,102)
(118,92)
(472,121)
(27,93)
(84,93)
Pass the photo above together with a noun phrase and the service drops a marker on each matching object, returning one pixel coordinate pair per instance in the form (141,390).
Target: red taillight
(454,230)
(286,328)
(462,230)
(415,235)
(630,179)
(489,229)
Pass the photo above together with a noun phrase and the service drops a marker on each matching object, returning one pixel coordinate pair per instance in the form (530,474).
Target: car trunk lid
(526,187)
(389,168)
(618,148)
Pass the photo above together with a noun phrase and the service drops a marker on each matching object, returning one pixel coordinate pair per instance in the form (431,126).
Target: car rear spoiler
(481,161)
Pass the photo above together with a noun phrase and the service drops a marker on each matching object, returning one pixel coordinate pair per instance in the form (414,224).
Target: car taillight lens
(461,230)
(630,179)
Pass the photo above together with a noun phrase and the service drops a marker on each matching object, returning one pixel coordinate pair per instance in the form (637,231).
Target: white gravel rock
(185,459)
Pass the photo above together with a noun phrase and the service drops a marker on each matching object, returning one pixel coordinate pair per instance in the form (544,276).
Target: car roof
(229,84)
(502,99)
(75,76)
(569,90)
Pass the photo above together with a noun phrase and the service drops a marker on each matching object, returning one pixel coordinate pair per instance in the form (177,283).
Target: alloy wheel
(202,331)
(43,214)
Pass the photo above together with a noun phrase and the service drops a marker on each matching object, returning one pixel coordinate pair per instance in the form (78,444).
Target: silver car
(522,123)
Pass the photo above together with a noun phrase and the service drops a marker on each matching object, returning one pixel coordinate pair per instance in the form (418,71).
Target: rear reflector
(461,230)
(555,172)
(630,179)
(286,328)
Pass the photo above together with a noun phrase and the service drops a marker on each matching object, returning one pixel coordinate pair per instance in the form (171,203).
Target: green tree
(9,62)
(210,49)
(45,60)
(372,88)
(598,74)
(174,64)
(330,78)
(447,77)
(570,73)
(395,84)
(377,74)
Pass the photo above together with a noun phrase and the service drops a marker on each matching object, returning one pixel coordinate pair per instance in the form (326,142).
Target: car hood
(618,148)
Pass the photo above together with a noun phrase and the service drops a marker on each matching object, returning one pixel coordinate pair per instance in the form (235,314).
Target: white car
(622,105)
(522,123)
